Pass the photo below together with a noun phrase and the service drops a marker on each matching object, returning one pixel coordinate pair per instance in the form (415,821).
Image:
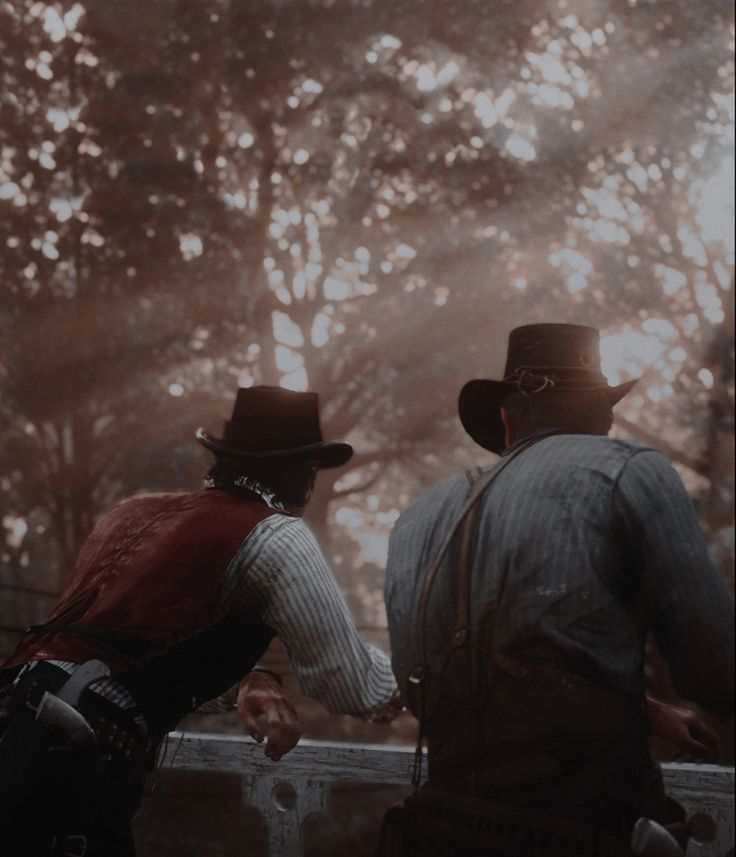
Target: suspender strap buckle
(460,636)
(418,674)
(72,845)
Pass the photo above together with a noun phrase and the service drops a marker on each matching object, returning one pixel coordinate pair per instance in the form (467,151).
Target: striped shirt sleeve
(279,571)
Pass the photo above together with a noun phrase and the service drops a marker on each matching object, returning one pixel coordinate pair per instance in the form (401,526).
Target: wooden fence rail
(307,772)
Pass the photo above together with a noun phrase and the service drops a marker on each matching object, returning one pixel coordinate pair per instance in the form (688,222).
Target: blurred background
(361,198)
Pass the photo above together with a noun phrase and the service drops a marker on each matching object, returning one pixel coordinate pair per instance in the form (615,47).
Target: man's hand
(388,712)
(267,713)
(685,730)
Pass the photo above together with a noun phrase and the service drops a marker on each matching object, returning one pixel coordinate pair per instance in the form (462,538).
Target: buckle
(525,377)
(78,842)
(417,676)
(459,637)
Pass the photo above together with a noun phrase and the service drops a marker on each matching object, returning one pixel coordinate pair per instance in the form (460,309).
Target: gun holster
(38,730)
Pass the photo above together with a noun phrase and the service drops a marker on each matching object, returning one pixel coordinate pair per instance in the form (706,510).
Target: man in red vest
(173,600)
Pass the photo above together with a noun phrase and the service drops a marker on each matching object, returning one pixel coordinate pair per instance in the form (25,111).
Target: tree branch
(361,486)
(698,465)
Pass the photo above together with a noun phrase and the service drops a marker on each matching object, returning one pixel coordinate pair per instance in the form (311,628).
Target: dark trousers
(57,799)
(608,780)
(554,797)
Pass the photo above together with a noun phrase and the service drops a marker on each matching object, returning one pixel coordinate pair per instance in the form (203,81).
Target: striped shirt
(280,572)
(584,544)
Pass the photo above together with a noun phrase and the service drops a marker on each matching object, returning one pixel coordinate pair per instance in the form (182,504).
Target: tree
(359,197)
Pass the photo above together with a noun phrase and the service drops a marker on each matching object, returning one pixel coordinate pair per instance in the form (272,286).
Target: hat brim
(327,453)
(479,407)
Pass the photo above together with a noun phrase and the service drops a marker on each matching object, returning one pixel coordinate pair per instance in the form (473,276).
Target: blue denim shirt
(585,544)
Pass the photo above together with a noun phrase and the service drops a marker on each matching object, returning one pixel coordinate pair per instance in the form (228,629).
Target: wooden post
(285,818)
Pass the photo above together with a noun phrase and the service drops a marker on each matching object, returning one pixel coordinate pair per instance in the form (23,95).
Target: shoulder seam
(635,452)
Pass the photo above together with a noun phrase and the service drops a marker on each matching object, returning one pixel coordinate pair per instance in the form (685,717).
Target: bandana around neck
(253,485)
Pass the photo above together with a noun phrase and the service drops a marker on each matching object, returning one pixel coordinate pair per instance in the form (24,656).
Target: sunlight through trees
(361,198)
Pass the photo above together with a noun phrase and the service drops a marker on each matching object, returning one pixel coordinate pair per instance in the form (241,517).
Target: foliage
(361,197)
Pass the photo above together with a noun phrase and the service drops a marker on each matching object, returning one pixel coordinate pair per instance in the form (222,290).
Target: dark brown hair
(578,413)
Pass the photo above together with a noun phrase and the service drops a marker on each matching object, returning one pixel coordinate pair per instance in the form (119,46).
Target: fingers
(382,715)
(280,736)
(280,741)
(693,751)
(388,712)
(686,730)
(282,729)
(707,741)
(698,742)
(255,694)
(250,707)
(251,724)
(267,714)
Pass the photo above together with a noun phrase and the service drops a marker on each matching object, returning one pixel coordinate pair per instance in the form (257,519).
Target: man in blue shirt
(583,545)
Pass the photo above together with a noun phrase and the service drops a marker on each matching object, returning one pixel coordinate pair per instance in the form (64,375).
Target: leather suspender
(465,525)
(463,567)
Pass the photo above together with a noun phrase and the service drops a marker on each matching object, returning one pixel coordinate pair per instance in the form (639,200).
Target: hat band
(530,380)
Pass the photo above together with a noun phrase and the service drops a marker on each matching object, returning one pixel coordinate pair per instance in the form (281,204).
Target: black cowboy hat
(273,423)
(554,357)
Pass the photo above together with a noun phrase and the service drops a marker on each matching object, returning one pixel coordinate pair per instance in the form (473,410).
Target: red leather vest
(151,569)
